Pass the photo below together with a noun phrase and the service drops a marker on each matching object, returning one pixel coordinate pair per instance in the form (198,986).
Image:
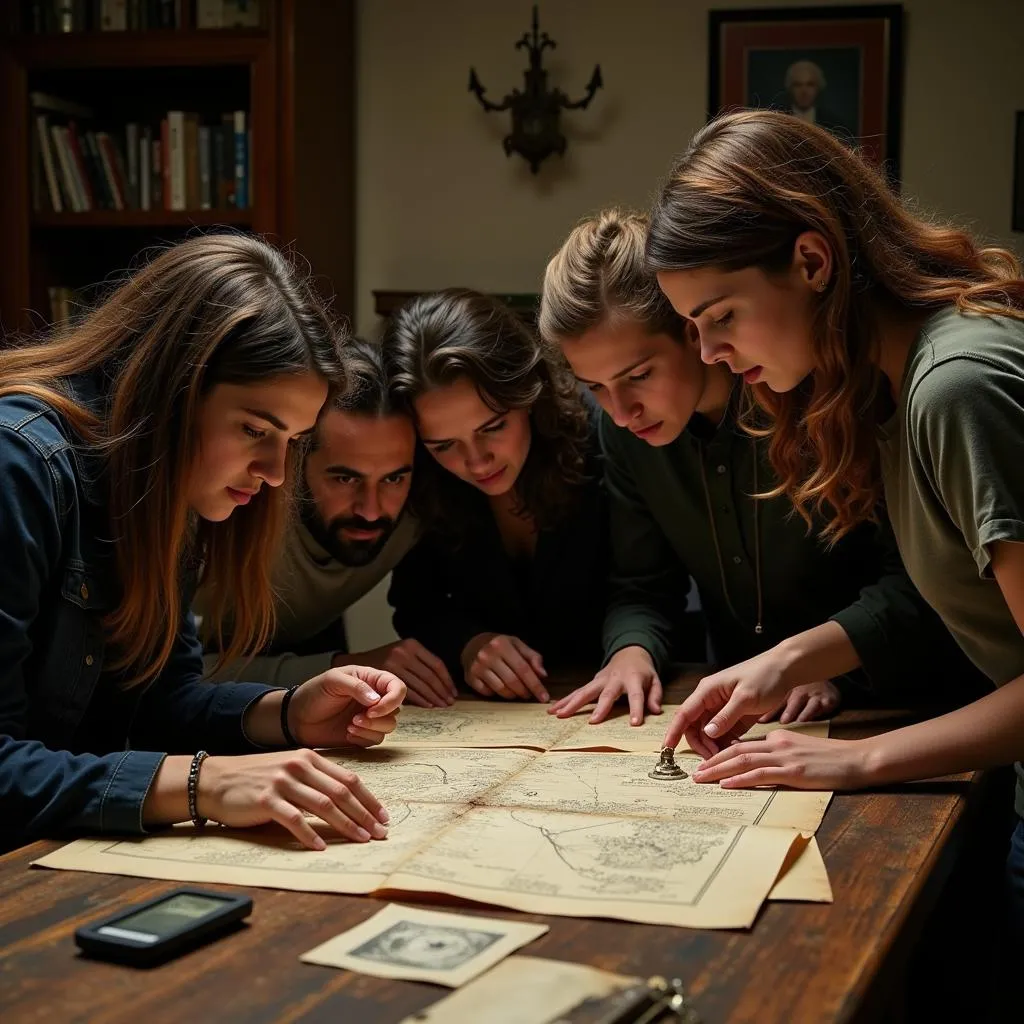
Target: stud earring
(822,285)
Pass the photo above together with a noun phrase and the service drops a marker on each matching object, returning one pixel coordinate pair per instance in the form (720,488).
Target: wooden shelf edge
(155,47)
(142,218)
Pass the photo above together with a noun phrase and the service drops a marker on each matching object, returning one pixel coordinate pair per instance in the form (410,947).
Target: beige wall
(439,203)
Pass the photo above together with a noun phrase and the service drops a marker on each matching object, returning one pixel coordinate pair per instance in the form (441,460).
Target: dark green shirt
(685,509)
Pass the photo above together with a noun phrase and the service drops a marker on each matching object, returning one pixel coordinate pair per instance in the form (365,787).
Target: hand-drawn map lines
(414,729)
(397,817)
(659,900)
(593,788)
(440,769)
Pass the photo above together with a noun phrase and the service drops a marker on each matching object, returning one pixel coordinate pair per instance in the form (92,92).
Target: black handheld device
(163,927)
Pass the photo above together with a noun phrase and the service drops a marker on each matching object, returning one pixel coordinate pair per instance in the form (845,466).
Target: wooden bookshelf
(142,218)
(294,77)
(154,48)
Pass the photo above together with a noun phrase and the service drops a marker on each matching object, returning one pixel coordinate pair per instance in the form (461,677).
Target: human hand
(806,703)
(726,704)
(499,664)
(786,758)
(284,787)
(327,710)
(629,671)
(429,684)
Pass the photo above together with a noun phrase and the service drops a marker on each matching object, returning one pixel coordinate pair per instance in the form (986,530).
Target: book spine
(165,162)
(218,192)
(227,142)
(108,154)
(158,168)
(131,148)
(146,169)
(67,174)
(47,154)
(114,15)
(205,189)
(209,13)
(191,161)
(121,172)
(176,158)
(104,197)
(81,170)
(241,161)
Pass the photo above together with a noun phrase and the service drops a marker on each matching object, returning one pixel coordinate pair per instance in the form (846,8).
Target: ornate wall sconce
(536,110)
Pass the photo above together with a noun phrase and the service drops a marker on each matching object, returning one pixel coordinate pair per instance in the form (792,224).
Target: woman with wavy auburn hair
(151,439)
(888,352)
(510,577)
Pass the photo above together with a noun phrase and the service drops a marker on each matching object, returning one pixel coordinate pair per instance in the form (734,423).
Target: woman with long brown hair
(681,473)
(888,352)
(509,579)
(143,445)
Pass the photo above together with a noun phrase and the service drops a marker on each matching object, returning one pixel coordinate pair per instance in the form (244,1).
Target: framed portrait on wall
(841,67)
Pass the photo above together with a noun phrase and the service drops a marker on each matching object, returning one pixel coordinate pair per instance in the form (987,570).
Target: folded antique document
(805,880)
(582,834)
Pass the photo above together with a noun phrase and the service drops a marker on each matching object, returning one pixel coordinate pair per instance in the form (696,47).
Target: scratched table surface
(888,854)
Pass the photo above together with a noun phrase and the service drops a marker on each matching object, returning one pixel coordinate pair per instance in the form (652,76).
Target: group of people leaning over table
(781,390)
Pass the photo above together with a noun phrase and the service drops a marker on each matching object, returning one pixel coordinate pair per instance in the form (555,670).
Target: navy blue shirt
(78,751)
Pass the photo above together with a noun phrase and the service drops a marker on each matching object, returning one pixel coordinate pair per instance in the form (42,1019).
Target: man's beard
(353,553)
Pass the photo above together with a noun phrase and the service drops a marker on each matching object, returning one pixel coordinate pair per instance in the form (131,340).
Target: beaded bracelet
(289,736)
(193,786)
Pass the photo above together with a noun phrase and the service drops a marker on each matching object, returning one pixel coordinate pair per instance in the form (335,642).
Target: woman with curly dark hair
(510,576)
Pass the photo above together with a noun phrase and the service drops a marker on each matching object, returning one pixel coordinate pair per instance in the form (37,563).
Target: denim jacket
(78,751)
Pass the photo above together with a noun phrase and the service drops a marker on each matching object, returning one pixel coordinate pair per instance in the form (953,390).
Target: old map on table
(583,834)
(488,724)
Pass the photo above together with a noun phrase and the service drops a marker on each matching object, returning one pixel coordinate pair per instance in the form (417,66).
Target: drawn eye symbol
(532,792)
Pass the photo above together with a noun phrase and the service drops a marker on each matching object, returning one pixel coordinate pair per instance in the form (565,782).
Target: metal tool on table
(666,769)
(655,1001)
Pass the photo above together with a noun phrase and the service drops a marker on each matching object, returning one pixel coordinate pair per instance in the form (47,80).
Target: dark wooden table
(888,853)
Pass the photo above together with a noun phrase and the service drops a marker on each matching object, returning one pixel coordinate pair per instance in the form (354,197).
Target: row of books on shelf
(185,162)
(137,15)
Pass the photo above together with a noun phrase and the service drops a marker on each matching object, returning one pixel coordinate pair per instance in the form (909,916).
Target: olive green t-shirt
(953,470)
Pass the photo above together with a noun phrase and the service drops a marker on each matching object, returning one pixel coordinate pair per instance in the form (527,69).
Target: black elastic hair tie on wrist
(289,736)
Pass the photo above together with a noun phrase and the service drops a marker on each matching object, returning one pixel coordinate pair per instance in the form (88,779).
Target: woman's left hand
(785,758)
(351,706)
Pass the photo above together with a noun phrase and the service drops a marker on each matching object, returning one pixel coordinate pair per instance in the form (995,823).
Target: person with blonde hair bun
(681,474)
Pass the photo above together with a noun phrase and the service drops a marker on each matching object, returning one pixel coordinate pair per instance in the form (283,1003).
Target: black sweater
(444,593)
